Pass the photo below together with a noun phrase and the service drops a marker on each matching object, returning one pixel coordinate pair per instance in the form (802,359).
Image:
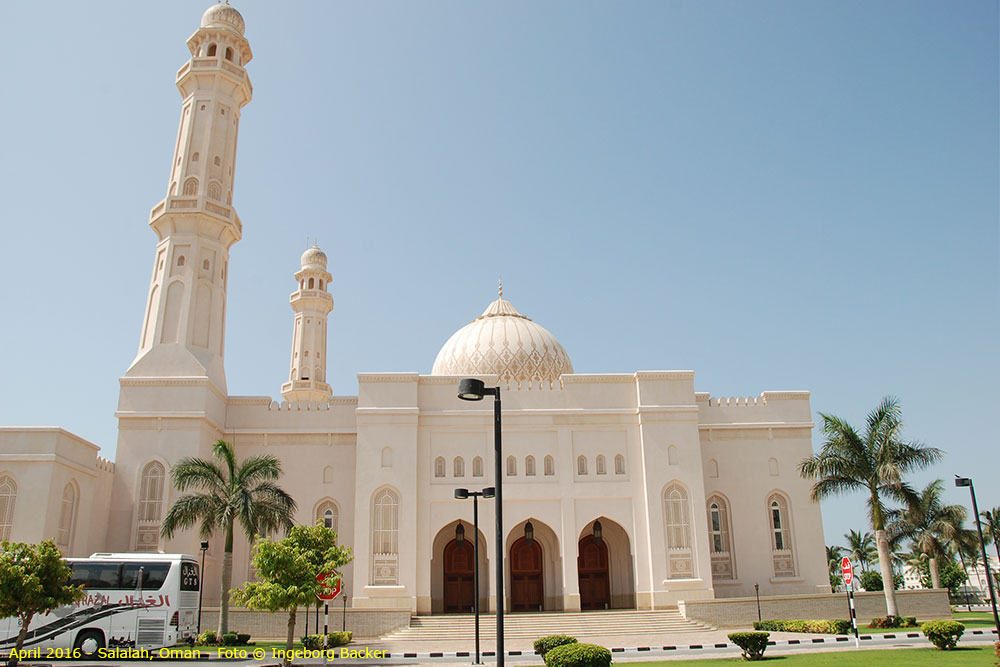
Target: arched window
(195,156)
(385,538)
(191,186)
(211,50)
(782,555)
(147,536)
(439,466)
(215,191)
(719,539)
(180,261)
(305,373)
(477,467)
(772,466)
(619,465)
(529,466)
(511,466)
(677,527)
(67,516)
(8,494)
(581,465)
(328,513)
(713,468)
(229,53)
(550,465)
(386,457)
(672,455)
(602,466)
(321,283)
(459,466)
(312,283)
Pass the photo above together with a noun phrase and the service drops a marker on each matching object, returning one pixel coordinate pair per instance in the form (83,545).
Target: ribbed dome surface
(504,342)
(223,16)
(314,258)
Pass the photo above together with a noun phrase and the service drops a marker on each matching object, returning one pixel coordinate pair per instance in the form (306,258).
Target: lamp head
(460,533)
(529,533)
(962,481)
(489,492)
(461,494)
(471,389)
(204,545)
(598,531)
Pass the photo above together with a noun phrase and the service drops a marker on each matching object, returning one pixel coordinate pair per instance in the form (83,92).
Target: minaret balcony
(320,299)
(224,215)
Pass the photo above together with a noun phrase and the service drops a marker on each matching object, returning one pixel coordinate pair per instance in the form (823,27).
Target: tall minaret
(311,303)
(183,332)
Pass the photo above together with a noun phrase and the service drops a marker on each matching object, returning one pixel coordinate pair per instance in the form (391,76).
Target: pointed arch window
(385,538)
(8,494)
(602,465)
(439,466)
(147,536)
(191,186)
(67,516)
(619,465)
(719,539)
(212,50)
(229,53)
(511,466)
(529,466)
(677,528)
(581,465)
(782,553)
(477,466)
(550,465)
(329,514)
(459,466)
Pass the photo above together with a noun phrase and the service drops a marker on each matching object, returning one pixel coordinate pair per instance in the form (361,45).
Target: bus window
(153,575)
(189,576)
(96,575)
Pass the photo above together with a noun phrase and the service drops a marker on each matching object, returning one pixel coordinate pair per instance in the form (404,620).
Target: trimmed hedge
(834,627)
(545,644)
(578,655)
(335,639)
(943,634)
(230,639)
(894,622)
(208,637)
(753,643)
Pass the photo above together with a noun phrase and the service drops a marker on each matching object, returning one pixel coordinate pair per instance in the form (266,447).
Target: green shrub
(546,644)
(335,639)
(229,639)
(894,622)
(312,642)
(752,643)
(834,627)
(578,655)
(208,637)
(943,634)
(242,638)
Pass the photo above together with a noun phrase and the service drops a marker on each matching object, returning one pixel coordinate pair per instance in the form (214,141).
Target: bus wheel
(89,642)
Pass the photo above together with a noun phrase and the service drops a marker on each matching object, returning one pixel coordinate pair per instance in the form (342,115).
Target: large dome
(504,342)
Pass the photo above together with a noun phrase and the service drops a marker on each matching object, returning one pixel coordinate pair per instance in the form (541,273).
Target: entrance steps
(535,625)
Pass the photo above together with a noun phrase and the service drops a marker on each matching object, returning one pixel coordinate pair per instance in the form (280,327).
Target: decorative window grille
(67,516)
(529,466)
(511,466)
(8,494)
(439,467)
(147,535)
(719,539)
(477,467)
(619,465)
(581,465)
(550,465)
(385,538)
(782,553)
(459,466)
(327,512)
(602,466)
(677,527)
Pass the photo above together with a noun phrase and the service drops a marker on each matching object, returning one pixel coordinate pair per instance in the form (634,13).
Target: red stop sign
(329,592)
(848,570)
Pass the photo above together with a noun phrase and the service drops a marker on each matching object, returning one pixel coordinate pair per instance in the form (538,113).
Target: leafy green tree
(229,492)
(990,521)
(861,547)
(874,462)
(929,524)
(872,581)
(287,571)
(834,554)
(34,579)
(950,575)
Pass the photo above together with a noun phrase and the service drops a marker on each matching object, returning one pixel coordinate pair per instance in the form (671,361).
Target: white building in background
(628,490)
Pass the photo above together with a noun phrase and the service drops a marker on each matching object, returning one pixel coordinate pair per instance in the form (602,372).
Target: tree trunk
(19,644)
(885,565)
(290,638)
(227,582)
(932,565)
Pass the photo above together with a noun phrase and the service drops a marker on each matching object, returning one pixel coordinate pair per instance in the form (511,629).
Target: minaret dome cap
(223,15)
(314,258)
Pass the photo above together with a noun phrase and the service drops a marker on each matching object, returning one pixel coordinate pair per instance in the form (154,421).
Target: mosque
(625,490)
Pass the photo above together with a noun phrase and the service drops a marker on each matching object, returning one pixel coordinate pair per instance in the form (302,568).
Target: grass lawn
(981,656)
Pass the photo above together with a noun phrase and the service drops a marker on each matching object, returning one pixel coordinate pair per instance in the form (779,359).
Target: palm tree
(991,527)
(929,524)
(833,555)
(229,493)
(874,462)
(861,547)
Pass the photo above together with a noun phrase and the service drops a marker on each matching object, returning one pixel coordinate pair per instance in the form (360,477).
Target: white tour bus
(121,610)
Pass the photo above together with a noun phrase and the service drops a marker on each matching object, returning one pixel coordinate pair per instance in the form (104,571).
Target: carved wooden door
(459,572)
(592,566)
(526,593)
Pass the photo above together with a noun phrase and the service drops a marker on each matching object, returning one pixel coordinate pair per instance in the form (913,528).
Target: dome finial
(501,287)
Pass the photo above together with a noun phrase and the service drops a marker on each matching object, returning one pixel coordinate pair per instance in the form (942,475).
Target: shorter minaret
(311,303)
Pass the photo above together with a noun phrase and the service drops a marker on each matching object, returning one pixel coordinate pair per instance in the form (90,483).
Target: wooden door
(526,593)
(592,565)
(459,573)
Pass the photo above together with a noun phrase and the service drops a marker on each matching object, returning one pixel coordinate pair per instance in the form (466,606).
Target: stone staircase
(535,625)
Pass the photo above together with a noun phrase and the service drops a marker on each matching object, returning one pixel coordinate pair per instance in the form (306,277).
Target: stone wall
(364,623)
(742,612)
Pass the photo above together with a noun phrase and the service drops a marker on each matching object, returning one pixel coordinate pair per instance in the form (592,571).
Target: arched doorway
(526,591)
(592,566)
(459,576)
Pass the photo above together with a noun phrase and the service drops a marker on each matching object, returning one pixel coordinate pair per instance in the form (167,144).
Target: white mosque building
(627,490)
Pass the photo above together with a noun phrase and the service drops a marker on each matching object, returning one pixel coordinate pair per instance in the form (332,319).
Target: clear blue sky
(777,195)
